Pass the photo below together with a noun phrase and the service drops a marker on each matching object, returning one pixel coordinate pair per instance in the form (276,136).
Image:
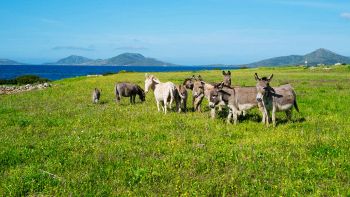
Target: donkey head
(263,87)
(188,83)
(227,77)
(150,82)
(198,88)
(219,94)
(141,93)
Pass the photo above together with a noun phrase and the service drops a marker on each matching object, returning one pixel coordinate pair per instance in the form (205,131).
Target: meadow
(56,142)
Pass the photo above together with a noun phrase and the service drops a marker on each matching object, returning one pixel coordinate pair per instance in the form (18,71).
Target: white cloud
(137,48)
(313,4)
(345,15)
(50,21)
(74,48)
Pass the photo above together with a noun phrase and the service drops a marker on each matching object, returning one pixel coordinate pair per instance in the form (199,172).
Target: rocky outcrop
(4,89)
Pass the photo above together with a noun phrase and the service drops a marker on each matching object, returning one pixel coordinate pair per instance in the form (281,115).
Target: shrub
(24,79)
(30,79)
(108,73)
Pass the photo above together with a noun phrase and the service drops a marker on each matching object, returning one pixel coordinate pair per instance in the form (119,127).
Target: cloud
(73,48)
(312,4)
(50,21)
(345,15)
(136,48)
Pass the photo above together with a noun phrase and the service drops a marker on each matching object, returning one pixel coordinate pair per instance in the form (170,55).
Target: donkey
(197,95)
(202,87)
(181,98)
(281,98)
(129,90)
(238,100)
(96,94)
(162,91)
(227,78)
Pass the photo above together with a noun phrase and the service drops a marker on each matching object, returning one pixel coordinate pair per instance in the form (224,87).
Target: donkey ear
(229,72)
(200,77)
(270,77)
(223,72)
(257,77)
(193,77)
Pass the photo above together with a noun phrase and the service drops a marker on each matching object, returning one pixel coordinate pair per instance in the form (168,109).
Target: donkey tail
(296,105)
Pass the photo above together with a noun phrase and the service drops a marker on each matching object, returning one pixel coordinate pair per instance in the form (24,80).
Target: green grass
(56,142)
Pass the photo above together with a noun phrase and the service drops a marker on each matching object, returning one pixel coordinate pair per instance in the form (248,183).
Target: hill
(320,56)
(125,59)
(9,62)
(72,60)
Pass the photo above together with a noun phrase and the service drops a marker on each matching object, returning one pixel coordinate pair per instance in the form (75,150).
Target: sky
(187,32)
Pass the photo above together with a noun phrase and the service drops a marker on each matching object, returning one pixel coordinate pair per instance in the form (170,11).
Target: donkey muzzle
(212,105)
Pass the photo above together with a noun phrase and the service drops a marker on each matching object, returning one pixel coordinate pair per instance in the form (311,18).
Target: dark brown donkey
(181,98)
(129,90)
(281,98)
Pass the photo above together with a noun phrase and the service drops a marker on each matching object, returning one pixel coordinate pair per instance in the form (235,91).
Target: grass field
(56,142)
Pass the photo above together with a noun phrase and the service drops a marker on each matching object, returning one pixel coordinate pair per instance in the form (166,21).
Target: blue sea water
(60,72)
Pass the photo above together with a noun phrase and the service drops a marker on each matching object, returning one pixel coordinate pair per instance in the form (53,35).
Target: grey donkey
(236,99)
(129,90)
(96,94)
(274,99)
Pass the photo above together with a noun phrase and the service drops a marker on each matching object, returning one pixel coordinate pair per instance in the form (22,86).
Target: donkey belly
(281,107)
(246,106)
(160,96)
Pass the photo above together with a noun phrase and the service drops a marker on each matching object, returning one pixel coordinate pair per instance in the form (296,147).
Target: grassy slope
(56,142)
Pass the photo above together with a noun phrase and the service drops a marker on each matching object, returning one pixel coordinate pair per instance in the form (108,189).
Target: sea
(54,72)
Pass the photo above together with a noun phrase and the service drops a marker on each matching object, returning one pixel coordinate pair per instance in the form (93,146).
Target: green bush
(108,73)
(24,79)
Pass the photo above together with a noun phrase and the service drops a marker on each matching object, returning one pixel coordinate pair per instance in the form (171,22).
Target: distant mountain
(9,62)
(125,59)
(72,60)
(320,56)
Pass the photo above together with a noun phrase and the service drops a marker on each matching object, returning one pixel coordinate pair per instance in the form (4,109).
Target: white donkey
(162,91)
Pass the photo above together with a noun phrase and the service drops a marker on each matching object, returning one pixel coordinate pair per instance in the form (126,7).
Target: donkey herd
(238,100)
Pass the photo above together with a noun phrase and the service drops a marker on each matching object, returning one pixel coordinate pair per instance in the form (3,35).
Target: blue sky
(182,31)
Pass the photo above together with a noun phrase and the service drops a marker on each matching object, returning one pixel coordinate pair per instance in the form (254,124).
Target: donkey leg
(235,118)
(158,105)
(117,99)
(171,101)
(165,106)
(185,107)
(267,118)
(212,113)
(274,117)
(289,114)
(263,121)
(229,116)
(178,105)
